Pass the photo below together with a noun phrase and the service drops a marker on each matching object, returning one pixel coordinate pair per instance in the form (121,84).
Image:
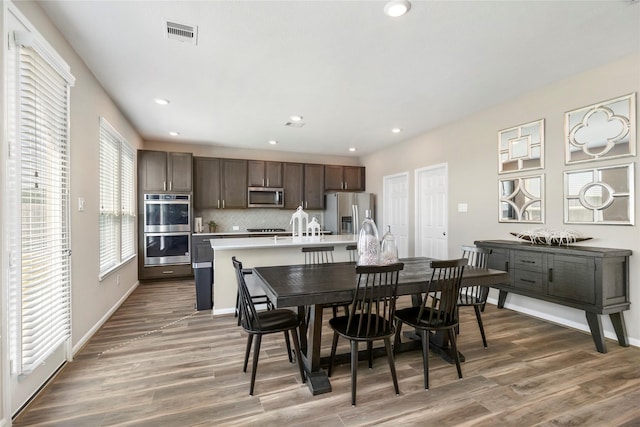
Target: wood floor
(158,362)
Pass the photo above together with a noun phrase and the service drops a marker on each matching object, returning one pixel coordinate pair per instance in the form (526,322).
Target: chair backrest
(318,254)
(353,252)
(248,314)
(374,300)
(476,257)
(439,305)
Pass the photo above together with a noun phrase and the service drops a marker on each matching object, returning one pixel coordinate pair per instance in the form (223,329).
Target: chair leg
(335,311)
(288,344)
(480,325)
(425,357)
(454,348)
(354,370)
(334,345)
(254,368)
(296,346)
(247,351)
(396,341)
(238,311)
(370,351)
(392,364)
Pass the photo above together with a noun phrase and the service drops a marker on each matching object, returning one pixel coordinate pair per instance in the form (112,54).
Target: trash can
(203,272)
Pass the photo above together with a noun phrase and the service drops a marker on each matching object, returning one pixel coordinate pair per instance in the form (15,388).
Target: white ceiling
(352,72)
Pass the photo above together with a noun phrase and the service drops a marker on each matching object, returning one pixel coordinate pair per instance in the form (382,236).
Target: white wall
(92,300)
(469,146)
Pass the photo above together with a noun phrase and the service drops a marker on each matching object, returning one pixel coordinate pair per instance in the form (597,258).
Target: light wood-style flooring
(158,362)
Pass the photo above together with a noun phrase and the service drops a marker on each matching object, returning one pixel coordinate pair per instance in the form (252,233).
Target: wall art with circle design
(601,131)
(602,195)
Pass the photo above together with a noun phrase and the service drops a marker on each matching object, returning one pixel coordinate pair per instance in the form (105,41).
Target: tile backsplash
(226,219)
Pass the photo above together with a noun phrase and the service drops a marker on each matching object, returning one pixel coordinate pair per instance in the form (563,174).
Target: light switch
(462,207)
(81,204)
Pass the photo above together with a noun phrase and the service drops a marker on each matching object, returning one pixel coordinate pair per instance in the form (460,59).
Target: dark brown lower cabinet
(592,279)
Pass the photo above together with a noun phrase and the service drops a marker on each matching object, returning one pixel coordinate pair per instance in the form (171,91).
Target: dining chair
(370,318)
(438,310)
(257,299)
(259,323)
(475,295)
(317,254)
(353,252)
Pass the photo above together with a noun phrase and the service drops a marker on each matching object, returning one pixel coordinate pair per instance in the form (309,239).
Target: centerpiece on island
(543,236)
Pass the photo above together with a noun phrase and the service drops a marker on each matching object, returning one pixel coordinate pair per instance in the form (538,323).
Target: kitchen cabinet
(313,186)
(165,272)
(220,183)
(293,183)
(264,174)
(595,280)
(344,178)
(303,186)
(160,172)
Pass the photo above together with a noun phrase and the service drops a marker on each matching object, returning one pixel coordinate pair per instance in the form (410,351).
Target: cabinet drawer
(167,271)
(529,261)
(529,280)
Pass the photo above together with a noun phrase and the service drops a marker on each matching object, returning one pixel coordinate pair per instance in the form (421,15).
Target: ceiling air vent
(181,32)
(294,124)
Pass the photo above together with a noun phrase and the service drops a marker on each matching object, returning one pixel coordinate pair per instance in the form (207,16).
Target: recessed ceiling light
(295,118)
(161,101)
(397,8)
(396,130)
(174,133)
(273,142)
(352,149)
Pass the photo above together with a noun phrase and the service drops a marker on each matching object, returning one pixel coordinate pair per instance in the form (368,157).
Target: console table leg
(595,324)
(621,329)
(502,297)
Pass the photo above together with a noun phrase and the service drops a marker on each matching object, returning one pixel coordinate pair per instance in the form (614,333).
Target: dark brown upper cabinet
(220,183)
(264,174)
(344,178)
(160,172)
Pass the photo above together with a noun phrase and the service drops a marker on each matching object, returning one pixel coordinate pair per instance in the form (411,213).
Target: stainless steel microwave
(265,197)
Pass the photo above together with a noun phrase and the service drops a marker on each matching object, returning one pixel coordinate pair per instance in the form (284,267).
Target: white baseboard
(81,343)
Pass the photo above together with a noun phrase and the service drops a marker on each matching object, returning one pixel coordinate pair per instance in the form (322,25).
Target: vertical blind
(40,278)
(117,199)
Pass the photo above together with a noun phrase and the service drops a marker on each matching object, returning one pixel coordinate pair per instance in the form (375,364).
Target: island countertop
(280,241)
(262,251)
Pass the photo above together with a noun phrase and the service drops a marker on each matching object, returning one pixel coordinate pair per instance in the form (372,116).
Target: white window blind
(117,199)
(38,172)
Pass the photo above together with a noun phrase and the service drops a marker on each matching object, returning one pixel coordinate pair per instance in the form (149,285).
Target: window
(38,181)
(117,203)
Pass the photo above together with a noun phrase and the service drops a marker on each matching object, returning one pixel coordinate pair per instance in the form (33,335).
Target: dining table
(316,286)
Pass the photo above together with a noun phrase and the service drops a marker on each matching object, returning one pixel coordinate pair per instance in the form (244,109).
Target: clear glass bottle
(368,242)
(388,249)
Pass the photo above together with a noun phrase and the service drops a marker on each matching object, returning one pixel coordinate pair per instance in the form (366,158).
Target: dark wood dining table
(315,286)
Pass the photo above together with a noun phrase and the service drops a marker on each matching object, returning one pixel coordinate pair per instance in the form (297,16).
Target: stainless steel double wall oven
(167,229)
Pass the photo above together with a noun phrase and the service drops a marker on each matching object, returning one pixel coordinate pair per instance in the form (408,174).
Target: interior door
(395,208)
(431,212)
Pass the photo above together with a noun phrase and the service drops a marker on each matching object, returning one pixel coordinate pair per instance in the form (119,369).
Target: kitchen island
(262,251)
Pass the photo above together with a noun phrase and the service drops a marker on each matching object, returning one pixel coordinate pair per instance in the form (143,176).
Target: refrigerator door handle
(356,220)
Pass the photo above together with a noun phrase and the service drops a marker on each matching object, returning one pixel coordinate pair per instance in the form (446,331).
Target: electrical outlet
(118,280)
(236,228)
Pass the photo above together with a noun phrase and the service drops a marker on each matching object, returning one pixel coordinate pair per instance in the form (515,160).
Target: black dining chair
(258,299)
(438,311)
(259,323)
(475,295)
(370,318)
(353,252)
(317,254)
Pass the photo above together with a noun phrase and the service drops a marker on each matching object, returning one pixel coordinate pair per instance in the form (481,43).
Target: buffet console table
(592,279)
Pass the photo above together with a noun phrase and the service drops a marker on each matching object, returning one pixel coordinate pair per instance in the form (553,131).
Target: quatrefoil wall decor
(601,131)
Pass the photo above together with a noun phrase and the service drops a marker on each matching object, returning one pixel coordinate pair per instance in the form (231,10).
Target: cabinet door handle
(218,203)
(506,266)
(526,261)
(164,185)
(170,185)
(222,203)
(550,275)
(527,281)
(267,182)
(263,182)
(167,272)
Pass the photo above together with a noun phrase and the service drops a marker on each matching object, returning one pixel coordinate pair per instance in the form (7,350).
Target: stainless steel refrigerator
(344,212)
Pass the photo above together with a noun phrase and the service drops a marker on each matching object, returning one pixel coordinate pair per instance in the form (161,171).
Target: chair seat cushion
(339,324)
(275,321)
(410,316)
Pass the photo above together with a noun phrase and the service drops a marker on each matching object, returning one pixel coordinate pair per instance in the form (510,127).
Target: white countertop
(280,241)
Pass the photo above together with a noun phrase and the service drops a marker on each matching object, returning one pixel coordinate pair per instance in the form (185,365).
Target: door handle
(444,233)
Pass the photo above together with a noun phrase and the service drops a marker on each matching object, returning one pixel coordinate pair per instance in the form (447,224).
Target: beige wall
(469,147)
(92,299)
